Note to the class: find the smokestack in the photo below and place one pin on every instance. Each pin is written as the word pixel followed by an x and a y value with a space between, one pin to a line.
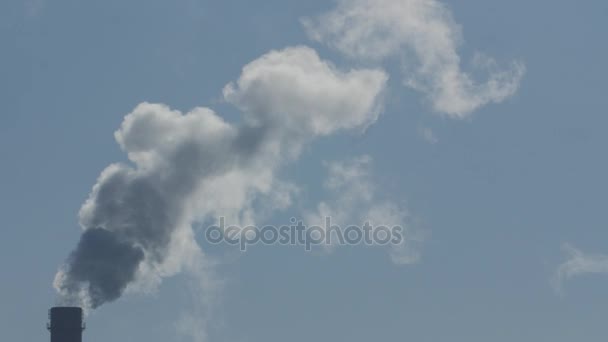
pixel 65 324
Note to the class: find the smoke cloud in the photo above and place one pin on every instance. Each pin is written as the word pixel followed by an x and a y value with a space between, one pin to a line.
pixel 423 35
pixel 194 166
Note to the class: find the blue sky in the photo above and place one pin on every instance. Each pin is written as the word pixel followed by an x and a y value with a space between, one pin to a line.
pixel 502 187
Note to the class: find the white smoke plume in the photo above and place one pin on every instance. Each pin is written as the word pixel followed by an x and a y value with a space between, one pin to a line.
pixel 194 166
pixel 423 35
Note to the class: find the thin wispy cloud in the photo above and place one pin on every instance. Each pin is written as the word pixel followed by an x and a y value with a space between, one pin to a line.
pixel 353 199
pixel 428 135
pixel 578 263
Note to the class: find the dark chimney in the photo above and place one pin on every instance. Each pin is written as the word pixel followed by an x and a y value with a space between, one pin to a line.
pixel 65 324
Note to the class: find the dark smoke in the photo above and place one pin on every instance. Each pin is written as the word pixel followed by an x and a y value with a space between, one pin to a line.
pixel 93 264
pixel 134 214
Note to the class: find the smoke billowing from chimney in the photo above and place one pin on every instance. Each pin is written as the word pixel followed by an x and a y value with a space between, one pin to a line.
pixel 193 167
pixel 196 166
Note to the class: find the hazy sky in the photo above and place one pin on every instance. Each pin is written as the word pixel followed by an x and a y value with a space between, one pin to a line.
pixel 477 125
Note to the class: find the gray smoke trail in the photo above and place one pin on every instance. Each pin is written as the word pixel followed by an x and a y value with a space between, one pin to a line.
pixel 194 166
